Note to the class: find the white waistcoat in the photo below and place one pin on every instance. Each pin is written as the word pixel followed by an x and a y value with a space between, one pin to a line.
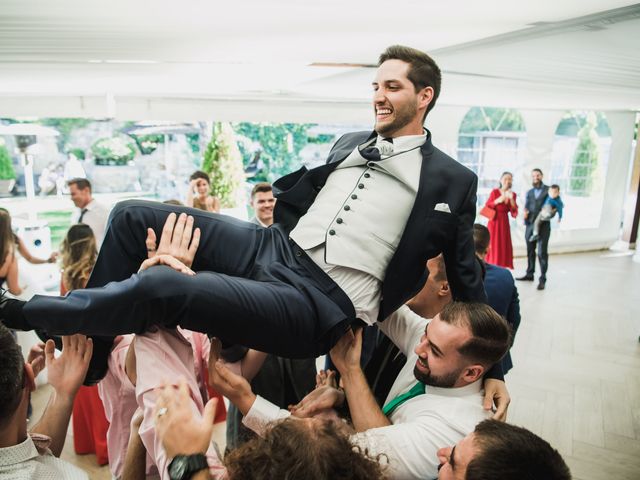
pixel 361 212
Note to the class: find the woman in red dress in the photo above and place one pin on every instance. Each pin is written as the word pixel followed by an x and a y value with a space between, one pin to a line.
pixel 503 201
pixel 90 425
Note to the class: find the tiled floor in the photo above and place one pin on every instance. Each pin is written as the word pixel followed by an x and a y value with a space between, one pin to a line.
pixel 576 380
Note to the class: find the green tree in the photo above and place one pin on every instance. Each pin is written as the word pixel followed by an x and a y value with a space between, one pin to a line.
pixel 223 162
pixel 585 160
pixel 281 144
pixel 6 165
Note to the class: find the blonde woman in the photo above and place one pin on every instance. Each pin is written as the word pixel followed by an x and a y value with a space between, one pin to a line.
pixel 79 253
pixel 9 244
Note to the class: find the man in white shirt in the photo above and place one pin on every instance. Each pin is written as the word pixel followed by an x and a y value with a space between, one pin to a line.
pixel 34 454
pixel 435 401
pixel 90 212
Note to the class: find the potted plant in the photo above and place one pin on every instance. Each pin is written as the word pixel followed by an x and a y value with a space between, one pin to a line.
pixel 7 173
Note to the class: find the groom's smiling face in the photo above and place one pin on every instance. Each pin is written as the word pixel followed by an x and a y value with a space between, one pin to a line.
pixel 398 108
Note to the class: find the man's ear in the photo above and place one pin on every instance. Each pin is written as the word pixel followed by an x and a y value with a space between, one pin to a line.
pixel 444 289
pixel 472 373
pixel 29 378
pixel 425 97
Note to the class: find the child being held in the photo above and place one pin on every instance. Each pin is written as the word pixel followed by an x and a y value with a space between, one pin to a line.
pixel 552 204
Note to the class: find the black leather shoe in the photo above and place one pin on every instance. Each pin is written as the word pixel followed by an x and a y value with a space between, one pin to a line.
pixel 525 278
pixel 541 285
pixel 99 364
pixel 11 312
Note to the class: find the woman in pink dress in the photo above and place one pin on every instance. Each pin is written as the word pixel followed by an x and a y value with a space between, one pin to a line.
pixel 503 201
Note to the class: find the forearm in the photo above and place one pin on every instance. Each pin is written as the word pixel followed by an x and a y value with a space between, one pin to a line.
pixel 135 462
pixel 252 363
pixel 55 421
pixel 364 410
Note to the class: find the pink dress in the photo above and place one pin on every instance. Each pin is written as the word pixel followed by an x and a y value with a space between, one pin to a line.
pixel 501 249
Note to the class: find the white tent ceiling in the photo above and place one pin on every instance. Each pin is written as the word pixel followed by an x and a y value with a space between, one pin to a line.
pixel 301 60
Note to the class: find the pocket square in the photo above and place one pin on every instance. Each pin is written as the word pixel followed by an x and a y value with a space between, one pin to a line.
pixel 442 207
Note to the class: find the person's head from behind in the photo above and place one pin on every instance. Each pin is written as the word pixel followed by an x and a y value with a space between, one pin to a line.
pixel 406 87
pixel 481 240
pixel 497 450
pixel 313 449
pixel 506 180
pixel 6 235
pixel 536 177
pixel 460 344
pixel 78 252
pixel 554 191
pixel 201 183
pixel 80 191
pixel 262 202
pixel 436 292
pixel 16 383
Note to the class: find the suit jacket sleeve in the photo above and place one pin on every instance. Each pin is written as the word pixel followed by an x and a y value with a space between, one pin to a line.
pixel 513 314
pixel 463 271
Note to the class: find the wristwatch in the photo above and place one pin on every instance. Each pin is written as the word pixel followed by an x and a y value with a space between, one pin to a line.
pixel 182 467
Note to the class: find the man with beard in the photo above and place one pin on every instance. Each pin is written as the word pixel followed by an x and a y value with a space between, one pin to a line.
pixel 350 241
pixel 534 202
pixel 435 401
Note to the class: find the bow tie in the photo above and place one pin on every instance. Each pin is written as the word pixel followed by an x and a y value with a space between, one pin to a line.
pixel 382 147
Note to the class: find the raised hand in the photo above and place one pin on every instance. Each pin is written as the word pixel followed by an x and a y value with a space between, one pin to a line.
pixel 66 373
pixel 178 239
pixel 177 426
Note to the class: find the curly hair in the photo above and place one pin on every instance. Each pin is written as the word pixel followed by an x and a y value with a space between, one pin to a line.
pixel 299 449
pixel 79 253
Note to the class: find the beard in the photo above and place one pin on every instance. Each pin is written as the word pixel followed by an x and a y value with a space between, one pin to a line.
pixel 403 116
pixel 443 381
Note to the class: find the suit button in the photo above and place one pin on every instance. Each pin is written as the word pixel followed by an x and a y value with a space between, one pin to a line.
pixel 367 175
pixel 347 207
pixel 361 186
pixel 354 196
pixel 298 253
pixel 338 220
pixel 332 232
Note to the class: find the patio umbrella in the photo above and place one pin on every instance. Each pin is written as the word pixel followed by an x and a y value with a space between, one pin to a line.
pixel 26 134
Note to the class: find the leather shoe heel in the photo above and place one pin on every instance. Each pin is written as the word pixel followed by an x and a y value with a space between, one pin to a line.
pixel 525 278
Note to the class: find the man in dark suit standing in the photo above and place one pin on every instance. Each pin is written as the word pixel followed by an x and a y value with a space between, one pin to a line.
pixel 350 241
pixel 534 201
pixel 502 294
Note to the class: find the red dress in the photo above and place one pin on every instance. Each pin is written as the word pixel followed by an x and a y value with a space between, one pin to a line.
pixel 501 249
pixel 90 423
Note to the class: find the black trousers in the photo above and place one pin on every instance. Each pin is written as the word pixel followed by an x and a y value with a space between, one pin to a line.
pixel 541 244
pixel 253 287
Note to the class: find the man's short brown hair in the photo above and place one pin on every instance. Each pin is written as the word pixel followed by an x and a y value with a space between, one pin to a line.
pixel 11 375
pixel 80 183
pixel 513 453
pixel 261 187
pixel 423 70
pixel 489 330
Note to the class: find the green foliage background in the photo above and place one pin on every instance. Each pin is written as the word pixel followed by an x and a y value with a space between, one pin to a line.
pixel 223 162
pixel 7 171
pixel 279 154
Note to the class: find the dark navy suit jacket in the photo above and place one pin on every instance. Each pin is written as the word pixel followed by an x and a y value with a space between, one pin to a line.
pixel 503 298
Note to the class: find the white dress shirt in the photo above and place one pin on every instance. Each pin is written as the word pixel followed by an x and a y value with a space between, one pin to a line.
pixel 420 426
pixel 96 217
pixel 32 459
pixel 355 224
